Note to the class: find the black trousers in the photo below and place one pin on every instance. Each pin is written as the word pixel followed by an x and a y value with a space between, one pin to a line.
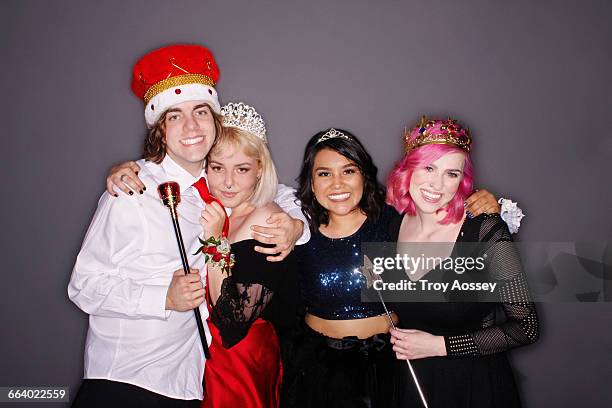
pixel 113 394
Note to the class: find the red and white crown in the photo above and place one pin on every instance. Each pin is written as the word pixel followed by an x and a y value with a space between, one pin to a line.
pixel 174 74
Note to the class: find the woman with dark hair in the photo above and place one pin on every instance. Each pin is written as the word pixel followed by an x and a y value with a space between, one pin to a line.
pixel 372 199
pixel 457 341
pixel 344 358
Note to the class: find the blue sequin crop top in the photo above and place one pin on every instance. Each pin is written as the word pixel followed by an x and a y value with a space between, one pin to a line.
pixel 329 280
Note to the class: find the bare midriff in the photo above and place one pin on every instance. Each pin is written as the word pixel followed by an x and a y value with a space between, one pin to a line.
pixel 361 328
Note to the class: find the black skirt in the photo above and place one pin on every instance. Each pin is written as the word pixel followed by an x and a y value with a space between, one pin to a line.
pixel 320 371
pixel 471 382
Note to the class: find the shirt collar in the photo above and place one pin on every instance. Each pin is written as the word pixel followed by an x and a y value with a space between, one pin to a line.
pixel 174 172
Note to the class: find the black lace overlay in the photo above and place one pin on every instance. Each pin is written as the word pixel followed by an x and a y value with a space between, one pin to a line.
pixel 478 328
pixel 237 307
pixel 256 288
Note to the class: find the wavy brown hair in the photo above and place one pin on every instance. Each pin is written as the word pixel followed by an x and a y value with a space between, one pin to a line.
pixel 155 140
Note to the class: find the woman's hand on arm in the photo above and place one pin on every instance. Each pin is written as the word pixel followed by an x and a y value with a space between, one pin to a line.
pixel 482 201
pixel 125 177
pixel 282 231
pixel 411 344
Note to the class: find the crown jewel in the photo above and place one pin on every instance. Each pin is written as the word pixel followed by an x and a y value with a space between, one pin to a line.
pixel 332 133
pixel 245 117
pixel 437 132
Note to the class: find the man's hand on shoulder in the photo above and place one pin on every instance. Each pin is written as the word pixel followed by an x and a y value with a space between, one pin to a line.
pixel 280 230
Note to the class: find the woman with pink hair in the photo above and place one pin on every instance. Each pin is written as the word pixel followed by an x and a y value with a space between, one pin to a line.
pixel 462 316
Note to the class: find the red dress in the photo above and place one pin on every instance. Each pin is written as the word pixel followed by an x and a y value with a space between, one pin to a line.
pixel 245 367
pixel 248 375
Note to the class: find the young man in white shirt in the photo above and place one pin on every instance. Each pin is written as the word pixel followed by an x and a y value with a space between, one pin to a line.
pixel 143 346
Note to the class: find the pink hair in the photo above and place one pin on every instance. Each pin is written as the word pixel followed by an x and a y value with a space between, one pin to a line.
pixel 398 182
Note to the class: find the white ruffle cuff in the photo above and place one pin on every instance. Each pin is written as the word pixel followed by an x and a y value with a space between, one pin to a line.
pixel 512 214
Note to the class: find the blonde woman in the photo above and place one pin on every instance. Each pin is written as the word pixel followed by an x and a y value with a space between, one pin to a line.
pixel 257 296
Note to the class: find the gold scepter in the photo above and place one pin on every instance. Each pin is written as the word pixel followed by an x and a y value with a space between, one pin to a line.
pixel 170 194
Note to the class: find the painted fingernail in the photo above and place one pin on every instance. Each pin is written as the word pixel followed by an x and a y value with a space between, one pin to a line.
pixel 131 193
pixel 116 195
pixel 136 172
pixel 140 191
pixel 465 204
pixel 469 214
pixel 144 189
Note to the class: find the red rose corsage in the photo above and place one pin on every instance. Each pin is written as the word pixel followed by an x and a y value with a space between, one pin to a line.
pixel 219 252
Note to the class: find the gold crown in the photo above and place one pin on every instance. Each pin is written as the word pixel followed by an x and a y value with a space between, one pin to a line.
pixel 438 132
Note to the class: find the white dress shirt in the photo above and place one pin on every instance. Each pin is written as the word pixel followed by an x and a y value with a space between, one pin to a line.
pixel 285 198
pixel 121 278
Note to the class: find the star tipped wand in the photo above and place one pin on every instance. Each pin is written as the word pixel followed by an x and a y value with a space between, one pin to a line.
pixel 368 272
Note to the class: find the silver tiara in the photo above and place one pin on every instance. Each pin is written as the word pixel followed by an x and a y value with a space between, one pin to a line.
pixel 245 117
pixel 332 133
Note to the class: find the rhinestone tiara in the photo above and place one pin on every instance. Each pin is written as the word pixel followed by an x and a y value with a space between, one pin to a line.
pixel 245 117
pixel 332 133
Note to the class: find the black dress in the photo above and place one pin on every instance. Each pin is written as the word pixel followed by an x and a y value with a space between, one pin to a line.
pixel 476 372
pixel 257 305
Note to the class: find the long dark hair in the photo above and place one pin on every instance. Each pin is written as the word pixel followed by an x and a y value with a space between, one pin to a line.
pixel 373 199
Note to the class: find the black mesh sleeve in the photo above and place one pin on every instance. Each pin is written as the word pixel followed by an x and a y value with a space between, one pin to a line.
pixel 247 291
pixel 520 326
pixel 237 307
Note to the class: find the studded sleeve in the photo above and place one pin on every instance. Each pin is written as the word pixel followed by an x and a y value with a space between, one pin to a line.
pixel 520 326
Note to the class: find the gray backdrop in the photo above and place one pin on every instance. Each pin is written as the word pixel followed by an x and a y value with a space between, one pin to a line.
pixel 530 78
